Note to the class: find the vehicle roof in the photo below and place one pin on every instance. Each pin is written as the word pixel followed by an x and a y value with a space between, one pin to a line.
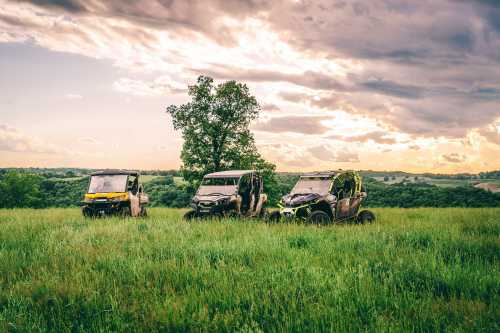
pixel 319 174
pixel 115 172
pixel 228 173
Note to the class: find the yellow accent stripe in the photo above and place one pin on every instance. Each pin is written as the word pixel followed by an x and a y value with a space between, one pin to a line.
pixel 110 195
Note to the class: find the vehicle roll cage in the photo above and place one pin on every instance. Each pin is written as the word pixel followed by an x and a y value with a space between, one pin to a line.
pixel 347 183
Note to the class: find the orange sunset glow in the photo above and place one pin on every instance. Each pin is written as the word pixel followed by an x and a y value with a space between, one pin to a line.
pixel 411 86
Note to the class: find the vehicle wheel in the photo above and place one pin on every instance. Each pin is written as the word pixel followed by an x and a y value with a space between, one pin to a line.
pixel 263 213
pixel 216 216
pixel 274 217
pixel 189 215
pixel 87 213
pixel 125 212
pixel 319 217
pixel 232 215
pixel 365 216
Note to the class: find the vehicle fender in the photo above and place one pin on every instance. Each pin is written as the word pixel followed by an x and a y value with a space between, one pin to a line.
pixel 331 200
pixel 236 199
pixel 260 203
pixel 135 207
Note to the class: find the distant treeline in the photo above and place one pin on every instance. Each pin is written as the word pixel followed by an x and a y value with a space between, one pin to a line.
pixel 78 172
pixel 426 195
pixel 24 189
pixel 64 173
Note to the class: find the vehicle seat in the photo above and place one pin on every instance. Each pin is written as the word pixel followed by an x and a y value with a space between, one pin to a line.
pixel 347 189
pixel 245 197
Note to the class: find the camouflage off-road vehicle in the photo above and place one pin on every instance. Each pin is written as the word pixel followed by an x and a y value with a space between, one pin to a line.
pixel 115 192
pixel 324 198
pixel 229 193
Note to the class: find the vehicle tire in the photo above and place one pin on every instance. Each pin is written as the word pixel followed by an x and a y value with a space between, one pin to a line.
pixel 215 216
pixel 319 217
pixel 365 216
pixel 87 213
pixel 274 217
pixel 190 215
pixel 125 212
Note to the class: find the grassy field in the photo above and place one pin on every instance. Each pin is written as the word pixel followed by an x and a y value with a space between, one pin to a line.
pixel 414 270
pixel 148 178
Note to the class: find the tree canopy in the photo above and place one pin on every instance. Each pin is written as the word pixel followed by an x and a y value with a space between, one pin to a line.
pixel 20 190
pixel 214 126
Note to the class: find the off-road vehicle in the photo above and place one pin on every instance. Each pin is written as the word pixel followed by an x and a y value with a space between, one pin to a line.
pixel 324 198
pixel 115 192
pixel 229 193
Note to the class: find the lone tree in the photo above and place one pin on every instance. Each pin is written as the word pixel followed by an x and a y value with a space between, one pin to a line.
pixel 214 126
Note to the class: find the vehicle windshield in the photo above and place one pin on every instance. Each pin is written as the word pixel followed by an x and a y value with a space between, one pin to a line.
pixel 108 183
pixel 218 186
pixel 220 181
pixel 311 185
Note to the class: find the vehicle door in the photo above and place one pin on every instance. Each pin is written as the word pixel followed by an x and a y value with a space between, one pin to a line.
pixel 256 188
pixel 244 192
pixel 354 204
pixel 133 188
pixel 143 198
pixel 344 200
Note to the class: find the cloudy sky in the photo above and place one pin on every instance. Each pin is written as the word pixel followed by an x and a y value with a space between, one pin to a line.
pixel 382 85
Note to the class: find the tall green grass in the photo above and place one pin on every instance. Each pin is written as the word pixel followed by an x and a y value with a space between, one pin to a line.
pixel 413 270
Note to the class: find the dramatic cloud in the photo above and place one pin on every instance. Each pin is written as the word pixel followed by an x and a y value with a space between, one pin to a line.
pixel 377 136
pixel 304 125
pixel 454 158
pixel 393 89
pixel 158 87
pixel 327 153
pixel 308 79
pixel 344 156
pixel 270 108
pixel 291 155
pixel 492 133
pixel 14 140
pixel 73 6
pixel 426 70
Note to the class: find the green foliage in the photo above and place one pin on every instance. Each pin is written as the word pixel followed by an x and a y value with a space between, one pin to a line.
pixel 415 270
pixel 20 190
pixel 283 184
pixel 163 191
pixel 63 193
pixel 490 175
pixel 214 126
pixel 426 195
